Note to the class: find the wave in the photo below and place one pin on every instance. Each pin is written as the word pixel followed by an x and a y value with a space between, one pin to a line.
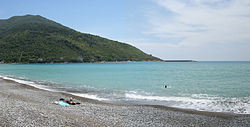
pixel 25 82
pixel 199 102
pixel 94 97
pixel 43 87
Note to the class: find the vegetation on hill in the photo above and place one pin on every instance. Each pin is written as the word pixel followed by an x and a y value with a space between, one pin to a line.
pixel 35 39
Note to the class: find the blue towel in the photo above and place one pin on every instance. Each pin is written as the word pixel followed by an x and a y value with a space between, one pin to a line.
pixel 62 103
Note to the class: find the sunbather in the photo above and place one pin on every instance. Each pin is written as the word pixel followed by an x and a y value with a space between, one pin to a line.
pixel 70 101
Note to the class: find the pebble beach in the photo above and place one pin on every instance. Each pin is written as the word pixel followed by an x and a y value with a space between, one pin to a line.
pixel 22 105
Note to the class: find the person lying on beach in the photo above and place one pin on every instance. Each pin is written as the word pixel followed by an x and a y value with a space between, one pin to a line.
pixel 70 101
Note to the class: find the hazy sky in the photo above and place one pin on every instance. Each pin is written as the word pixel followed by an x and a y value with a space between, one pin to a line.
pixel 169 29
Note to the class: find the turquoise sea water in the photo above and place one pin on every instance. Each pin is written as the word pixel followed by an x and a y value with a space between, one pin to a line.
pixel 206 86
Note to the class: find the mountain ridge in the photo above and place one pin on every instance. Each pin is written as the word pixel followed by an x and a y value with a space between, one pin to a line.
pixel 35 39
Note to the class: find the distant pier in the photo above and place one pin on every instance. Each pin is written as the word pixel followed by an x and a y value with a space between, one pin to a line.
pixel 180 61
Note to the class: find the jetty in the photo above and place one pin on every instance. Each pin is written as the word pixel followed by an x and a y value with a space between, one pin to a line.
pixel 180 61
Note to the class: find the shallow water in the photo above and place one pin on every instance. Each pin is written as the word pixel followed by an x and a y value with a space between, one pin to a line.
pixel 207 86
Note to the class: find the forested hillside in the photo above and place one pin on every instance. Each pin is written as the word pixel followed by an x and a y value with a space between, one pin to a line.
pixel 35 39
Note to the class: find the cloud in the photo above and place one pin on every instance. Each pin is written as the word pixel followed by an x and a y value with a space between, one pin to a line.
pixel 198 22
pixel 197 29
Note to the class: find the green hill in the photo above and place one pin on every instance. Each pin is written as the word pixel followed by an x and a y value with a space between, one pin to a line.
pixel 35 39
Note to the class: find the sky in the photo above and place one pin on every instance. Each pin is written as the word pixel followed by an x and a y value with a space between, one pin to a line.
pixel 203 30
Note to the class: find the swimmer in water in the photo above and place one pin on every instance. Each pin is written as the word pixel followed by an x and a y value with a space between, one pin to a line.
pixel 166 86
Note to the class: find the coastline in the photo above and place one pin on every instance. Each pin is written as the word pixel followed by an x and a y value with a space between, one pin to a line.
pixel 90 62
pixel 26 105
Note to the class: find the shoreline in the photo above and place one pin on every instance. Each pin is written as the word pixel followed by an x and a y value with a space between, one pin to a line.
pixel 189 111
pixel 90 62
pixel 101 100
pixel 90 111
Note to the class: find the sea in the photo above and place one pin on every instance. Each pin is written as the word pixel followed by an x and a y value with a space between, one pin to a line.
pixel 204 86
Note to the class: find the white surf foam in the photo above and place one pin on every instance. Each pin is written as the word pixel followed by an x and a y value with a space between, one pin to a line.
pixel 161 98
pixel 30 83
pixel 33 84
pixel 90 96
pixel 200 102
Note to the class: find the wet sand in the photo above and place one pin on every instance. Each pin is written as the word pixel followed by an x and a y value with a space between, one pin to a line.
pixel 22 105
